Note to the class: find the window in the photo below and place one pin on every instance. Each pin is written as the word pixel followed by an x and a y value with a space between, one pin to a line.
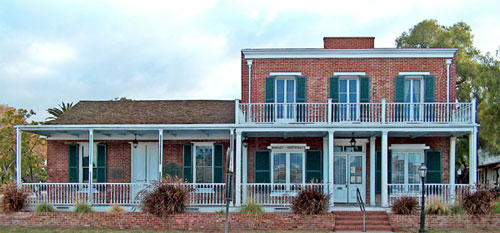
pixel 285 97
pixel 404 167
pixel 288 167
pixel 348 97
pixel 413 89
pixel 204 163
pixel 84 165
pixel 79 163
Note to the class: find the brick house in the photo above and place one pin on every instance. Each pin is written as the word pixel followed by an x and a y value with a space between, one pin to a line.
pixel 342 118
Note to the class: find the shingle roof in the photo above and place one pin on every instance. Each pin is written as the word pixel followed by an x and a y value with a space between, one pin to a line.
pixel 149 112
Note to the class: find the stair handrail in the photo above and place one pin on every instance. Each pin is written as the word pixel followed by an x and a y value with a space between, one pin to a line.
pixel 361 207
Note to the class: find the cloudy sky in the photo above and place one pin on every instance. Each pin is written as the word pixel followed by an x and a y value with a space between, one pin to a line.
pixel 70 50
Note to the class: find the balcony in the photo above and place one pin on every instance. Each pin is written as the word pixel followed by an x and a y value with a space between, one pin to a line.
pixel 360 113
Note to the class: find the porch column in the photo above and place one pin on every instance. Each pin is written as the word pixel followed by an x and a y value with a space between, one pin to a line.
pixel 473 156
pixel 372 171
pixel 453 141
pixel 18 157
pixel 238 169
pixel 91 164
pixel 325 164
pixel 160 154
pixel 385 171
pixel 330 165
pixel 244 179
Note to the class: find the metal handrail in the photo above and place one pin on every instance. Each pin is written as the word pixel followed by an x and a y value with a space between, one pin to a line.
pixel 361 207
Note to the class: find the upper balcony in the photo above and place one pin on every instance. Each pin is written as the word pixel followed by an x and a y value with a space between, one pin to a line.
pixel 356 113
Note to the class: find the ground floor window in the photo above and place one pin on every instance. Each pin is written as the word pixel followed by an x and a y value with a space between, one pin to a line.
pixel 204 163
pixel 288 167
pixel 405 167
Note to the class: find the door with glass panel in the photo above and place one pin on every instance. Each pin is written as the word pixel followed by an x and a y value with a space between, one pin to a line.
pixel 413 96
pixel 287 170
pixel 285 99
pixel 348 99
pixel 348 176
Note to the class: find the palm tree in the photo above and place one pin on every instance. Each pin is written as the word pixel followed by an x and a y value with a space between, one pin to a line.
pixel 57 112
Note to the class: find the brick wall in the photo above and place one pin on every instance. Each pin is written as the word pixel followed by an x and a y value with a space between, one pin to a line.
pixel 467 222
pixel 206 222
pixel 382 72
pixel 349 42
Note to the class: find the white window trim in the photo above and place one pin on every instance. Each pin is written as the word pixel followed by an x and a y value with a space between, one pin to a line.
pixel 285 73
pixel 193 158
pixel 349 73
pixel 287 152
pixel 406 149
pixel 81 149
pixel 422 86
pixel 276 88
pixel 415 73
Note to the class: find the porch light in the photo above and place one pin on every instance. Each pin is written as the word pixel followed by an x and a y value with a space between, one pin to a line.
pixel 245 142
pixel 423 170
pixel 135 142
pixel 353 141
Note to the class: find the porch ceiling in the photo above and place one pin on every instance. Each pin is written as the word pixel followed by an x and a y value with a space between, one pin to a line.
pixel 78 133
pixel 357 134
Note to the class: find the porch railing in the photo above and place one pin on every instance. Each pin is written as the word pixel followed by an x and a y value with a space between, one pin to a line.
pixel 446 192
pixel 372 113
pixel 114 193
pixel 276 194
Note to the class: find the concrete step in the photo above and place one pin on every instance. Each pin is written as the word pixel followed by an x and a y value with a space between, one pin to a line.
pixel 360 228
pixel 378 217
pixel 360 221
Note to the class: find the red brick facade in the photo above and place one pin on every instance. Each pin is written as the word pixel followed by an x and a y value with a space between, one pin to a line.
pixel 349 42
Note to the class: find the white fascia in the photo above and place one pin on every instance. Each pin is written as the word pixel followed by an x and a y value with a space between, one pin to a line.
pixel 349 53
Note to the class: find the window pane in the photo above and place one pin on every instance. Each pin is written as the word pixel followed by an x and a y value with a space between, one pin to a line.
pixel 353 98
pixel 337 149
pixel 343 98
pixel 407 90
pixel 416 91
pixel 290 91
pixel 339 172
pixel 279 168
pixel 204 164
pixel 343 86
pixel 414 162
pixel 353 86
pixel 398 172
pixel 280 91
pixel 296 168
pixel 356 176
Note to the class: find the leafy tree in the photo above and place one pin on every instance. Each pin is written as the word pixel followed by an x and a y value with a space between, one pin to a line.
pixel 478 76
pixel 57 112
pixel 33 148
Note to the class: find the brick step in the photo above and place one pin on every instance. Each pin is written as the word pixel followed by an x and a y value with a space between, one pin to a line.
pixel 360 228
pixel 380 217
pixel 360 221
pixel 359 213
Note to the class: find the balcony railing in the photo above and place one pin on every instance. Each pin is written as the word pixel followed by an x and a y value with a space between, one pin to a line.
pixel 367 113
pixel 114 193
pixel 448 193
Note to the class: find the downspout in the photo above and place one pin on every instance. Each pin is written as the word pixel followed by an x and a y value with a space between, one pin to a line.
pixel 249 63
pixel 448 64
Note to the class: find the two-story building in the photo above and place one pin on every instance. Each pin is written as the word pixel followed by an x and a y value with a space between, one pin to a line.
pixel 342 118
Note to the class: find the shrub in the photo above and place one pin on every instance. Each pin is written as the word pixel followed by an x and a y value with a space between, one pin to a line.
pixel 497 208
pixel 44 208
pixel 436 206
pixel 310 201
pixel 405 205
pixel 251 208
pixel 457 208
pixel 116 209
pixel 479 202
pixel 164 198
pixel 82 208
pixel 13 198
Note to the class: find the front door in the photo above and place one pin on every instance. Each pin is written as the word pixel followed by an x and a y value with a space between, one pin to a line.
pixel 348 175
pixel 285 99
pixel 145 163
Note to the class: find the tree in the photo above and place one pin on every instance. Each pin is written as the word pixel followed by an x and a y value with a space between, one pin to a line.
pixel 57 112
pixel 478 76
pixel 33 148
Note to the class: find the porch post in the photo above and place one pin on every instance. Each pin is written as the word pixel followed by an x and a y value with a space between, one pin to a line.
pixel 330 165
pixel 326 172
pixel 384 175
pixel 453 141
pixel 473 156
pixel 238 169
pixel 372 171
pixel 18 157
pixel 91 164
pixel 245 173
pixel 160 154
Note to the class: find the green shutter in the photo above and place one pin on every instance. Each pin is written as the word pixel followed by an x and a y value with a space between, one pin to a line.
pixel 73 163
pixel 314 166
pixel 100 170
pixel 364 94
pixel 262 166
pixel 218 163
pixel 399 89
pixel 433 163
pixel 270 90
pixel 334 89
pixel 301 89
pixel 187 163
pixel 378 173
pixel 429 88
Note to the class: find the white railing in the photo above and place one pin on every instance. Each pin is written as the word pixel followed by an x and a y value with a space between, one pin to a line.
pixel 276 194
pixel 373 113
pixel 446 192
pixel 114 193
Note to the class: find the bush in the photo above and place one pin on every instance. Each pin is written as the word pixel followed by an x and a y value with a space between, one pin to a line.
pixel 82 208
pixel 479 202
pixel 457 208
pixel 44 208
pixel 251 208
pixel 310 201
pixel 405 205
pixel 497 208
pixel 13 198
pixel 116 209
pixel 165 198
pixel 436 206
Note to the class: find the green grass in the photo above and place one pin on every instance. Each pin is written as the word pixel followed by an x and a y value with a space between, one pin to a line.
pixel 497 208
pixel 60 230
pixel 455 231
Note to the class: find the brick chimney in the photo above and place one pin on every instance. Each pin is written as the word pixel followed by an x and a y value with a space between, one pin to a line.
pixel 349 42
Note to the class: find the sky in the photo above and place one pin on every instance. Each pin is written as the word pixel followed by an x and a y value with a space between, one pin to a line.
pixel 71 50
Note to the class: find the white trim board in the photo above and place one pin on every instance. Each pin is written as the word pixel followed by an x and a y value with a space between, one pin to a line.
pixel 349 73
pixel 409 147
pixel 415 73
pixel 285 73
